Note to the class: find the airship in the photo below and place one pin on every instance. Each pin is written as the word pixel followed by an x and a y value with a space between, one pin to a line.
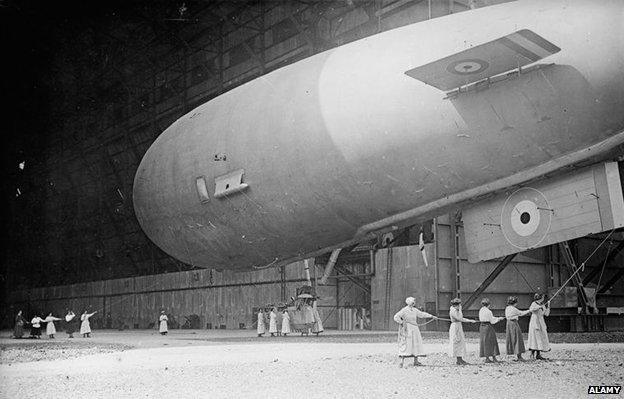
pixel 512 114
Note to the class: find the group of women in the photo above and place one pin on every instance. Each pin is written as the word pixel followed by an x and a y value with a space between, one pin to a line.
pixel 410 341
pixel 279 319
pixel 277 327
pixel 71 325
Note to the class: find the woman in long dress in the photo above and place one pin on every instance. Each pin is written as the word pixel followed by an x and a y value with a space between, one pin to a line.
pixel 273 322
pixel 261 326
pixel 18 331
pixel 513 334
pixel 317 326
pixel 285 323
pixel 488 345
pixel 85 325
pixel 538 335
pixel 51 328
pixel 409 339
pixel 456 332
pixel 70 324
pixel 35 327
pixel 162 321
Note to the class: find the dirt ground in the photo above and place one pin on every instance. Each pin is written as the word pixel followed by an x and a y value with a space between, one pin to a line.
pixel 231 364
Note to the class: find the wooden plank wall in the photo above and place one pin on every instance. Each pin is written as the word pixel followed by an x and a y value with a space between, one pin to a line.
pixel 409 277
pixel 434 286
pixel 529 272
pixel 219 298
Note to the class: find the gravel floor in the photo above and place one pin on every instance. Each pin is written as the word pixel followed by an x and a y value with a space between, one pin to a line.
pixel 235 364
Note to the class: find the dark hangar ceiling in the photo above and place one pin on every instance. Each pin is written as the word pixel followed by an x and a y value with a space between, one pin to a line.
pixel 89 85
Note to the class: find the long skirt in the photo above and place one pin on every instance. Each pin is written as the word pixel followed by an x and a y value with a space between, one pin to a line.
pixel 85 327
pixel 457 340
pixel 70 327
pixel 513 338
pixel 286 325
pixel 261 326
pixel 50 328
pixel 163 328
pixel 538 336
pixel 410 341
pixel 317 327
pixel 488 345
pixel 273 325
pixel 18 331
pixel 35 331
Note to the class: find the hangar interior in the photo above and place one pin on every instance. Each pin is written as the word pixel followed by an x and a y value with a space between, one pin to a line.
pixel 122 74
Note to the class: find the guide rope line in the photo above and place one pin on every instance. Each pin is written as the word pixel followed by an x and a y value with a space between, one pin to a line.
pixel 427 322
pixel 603 267
pixel 581 267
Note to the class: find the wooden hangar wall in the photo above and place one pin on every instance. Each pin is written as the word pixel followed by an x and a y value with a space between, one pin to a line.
pixel 401 272
pixel 127 80
pixel 369 283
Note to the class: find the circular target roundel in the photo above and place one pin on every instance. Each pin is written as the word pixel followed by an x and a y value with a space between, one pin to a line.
pixel 526 218
pixel 468 66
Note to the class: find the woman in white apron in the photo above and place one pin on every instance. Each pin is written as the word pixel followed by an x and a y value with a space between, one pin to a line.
pixel 273 322
pixel 261 327
pixel 410 341
pixel 285 323
pixel 50 328
pixel 162 321
pixel 456 332
pixel 538 335
pixel 85 326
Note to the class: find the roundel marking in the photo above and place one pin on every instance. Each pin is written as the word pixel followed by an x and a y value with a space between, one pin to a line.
pixel 467 66
pixel 526 218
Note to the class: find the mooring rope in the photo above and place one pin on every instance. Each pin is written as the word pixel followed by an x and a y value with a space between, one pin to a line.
pixel 581 267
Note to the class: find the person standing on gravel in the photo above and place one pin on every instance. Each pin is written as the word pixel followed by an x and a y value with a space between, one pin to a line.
pixel 261 329
pixel 18 331
pixel 456 332
pixel 51 328
pixel 85 325
pixel 488 345
pixel 273 322
pixel 70 323
pixel 538 335
pixel 285 323
pixel 35 327
pixel 410 341
pixel 162 323
pixel 513 334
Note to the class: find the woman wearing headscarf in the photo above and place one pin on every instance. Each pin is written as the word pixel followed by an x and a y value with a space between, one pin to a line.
pixel 488 345
pixel 456 332
pixel 513 334
pixel 51 328
pixel 538 335
pixel 410 341
pixel 18 331
pixel 162 323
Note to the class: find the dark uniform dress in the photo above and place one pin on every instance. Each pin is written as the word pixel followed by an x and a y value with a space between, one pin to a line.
pixel 71 324
pixel 488 345
pixel 513 333
pixel 18 331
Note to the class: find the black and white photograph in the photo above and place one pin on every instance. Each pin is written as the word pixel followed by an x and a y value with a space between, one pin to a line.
pixel 312 199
